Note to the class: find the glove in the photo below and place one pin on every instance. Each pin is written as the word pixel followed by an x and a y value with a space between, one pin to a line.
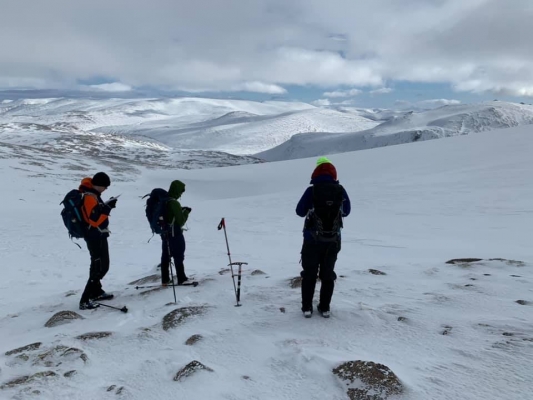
pixel 187 209
pixel 112 203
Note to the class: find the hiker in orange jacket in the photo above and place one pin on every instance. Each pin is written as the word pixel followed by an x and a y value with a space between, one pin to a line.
pixel 96 214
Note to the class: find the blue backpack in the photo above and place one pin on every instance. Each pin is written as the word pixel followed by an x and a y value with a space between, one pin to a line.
pixel 155 210
pixel 72 214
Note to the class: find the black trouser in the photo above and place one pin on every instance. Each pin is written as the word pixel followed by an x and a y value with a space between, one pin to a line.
pixel 99 252
pixel 318 259
pixel 173 246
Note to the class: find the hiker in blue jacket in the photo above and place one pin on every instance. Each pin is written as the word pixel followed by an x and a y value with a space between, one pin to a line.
pixel 323 205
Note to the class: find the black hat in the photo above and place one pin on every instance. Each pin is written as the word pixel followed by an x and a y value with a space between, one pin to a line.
pixel 101 179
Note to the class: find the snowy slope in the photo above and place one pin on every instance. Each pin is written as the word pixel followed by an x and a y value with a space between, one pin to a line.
pixel 447 331
pixel 409 127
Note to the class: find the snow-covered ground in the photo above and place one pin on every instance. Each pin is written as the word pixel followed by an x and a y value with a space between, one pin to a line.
pixel 447 331
pixel 446 121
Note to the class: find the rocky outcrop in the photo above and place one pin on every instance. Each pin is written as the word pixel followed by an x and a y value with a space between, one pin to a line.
pixel 178 316
pixel 190 369
pixel 62 317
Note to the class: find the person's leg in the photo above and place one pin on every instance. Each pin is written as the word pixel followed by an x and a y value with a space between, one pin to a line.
pixel 94 273
pixel 309 274
pixel 165 260
pixel 177 249
pixel 328 257
pixel 104 266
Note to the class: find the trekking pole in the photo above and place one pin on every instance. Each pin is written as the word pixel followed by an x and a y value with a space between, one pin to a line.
pixel 123 309
pixel 171 272
pixel 222 225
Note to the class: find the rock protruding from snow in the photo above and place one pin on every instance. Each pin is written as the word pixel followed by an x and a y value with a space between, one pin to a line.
pixel 193 340
pixel 463 260
pixel 23 380
pixel 190 369
pixel 367 380
pixel 94 335
pixel 296 282
pixel 376 272
pixel 147 279
pixel 29 347
pixel 62 317
pixel 178 316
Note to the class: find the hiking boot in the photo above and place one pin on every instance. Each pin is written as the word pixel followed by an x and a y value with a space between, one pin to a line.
pixel 308 314
pixel 181 281
pixel 103 296
pixel 324 313
pixel 88 305
pixel 167 283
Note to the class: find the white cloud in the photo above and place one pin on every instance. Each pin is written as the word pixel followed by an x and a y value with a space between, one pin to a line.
pixel 321 102
pixel 110 87
pixel 438 102
pixel 343 93
pixel 259 87
pixel 384 90
pixel 474 45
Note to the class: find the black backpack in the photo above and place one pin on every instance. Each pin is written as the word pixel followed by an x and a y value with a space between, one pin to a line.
pixel 72 214
pixel 155 210
pixel 325 220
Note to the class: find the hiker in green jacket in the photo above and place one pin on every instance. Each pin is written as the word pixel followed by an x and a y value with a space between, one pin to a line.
pixel 173 239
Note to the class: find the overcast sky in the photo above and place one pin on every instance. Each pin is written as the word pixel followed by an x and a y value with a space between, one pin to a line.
pixel 332 51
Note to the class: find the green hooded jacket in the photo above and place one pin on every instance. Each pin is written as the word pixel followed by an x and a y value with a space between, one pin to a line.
pixel 175 214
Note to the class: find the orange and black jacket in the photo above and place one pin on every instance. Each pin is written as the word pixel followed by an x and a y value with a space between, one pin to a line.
pixel 95 211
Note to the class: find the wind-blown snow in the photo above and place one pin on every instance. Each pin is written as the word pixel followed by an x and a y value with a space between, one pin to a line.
pixel 414 207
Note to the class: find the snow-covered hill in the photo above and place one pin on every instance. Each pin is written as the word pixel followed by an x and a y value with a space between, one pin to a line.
pixel 409 127
pixel 448 331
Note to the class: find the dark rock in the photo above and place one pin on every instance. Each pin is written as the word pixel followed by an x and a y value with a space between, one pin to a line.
pixel 376 272
pixel 94 335
pixel 368 380
pixel 28 379
pixel 296 282
pixel 112 387
pixel 62 317
pixel 522 302
pixel 224 271
pixel 469 285
pixel 486 274
pixel 190 369
pixel 246 378
pixel 463 260
pixel 282 309
pixel 258 272
pixel 193 340
pixel 120 390
pixel 178 316
pixel 447 330
pixel 71 293
pixel 507 334
pixel 68 374
pixel 29 347
pixel 516 276
pixel 402 319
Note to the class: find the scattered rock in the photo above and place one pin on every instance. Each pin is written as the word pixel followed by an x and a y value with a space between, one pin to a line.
pixel 376 272
pixel 368 381
pixel 112 387
pixel 29 347
pixel 120 390
pixel 258 272
pixel 224 271
pixel 193 340
pixel 190 369
pixel 469 285
pixel 246 378
pixel 522 302
pixel 147 279
pixel 178 316
pixel 71 293
pixel 486 274
pixel 473 279
pixel 402 319
pixel 510 262
pixel 62 317
pixel 28 378
pixel 516 276
pixel 447 330
pixel 463 260
pixel 507 334
pixel 94 335
pixel 68 374
pixel 296 282
pixel 282 309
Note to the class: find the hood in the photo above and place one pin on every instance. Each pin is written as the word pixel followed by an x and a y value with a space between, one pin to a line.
pixel 176 189
pixel 86 183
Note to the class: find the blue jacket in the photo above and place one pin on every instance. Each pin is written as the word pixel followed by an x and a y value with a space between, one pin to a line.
pixel 306 202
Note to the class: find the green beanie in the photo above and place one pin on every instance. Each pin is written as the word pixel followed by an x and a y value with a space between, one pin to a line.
pixel 322 160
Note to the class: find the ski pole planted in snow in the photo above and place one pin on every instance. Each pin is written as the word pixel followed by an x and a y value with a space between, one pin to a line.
pixel 222 225
pixel 123 309
pixel 171 273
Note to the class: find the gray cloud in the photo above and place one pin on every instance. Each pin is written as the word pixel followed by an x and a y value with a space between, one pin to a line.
pixel 262 45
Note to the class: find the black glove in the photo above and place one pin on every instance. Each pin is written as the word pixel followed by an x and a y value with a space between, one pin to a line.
pixel 187 209
pixel 112 203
